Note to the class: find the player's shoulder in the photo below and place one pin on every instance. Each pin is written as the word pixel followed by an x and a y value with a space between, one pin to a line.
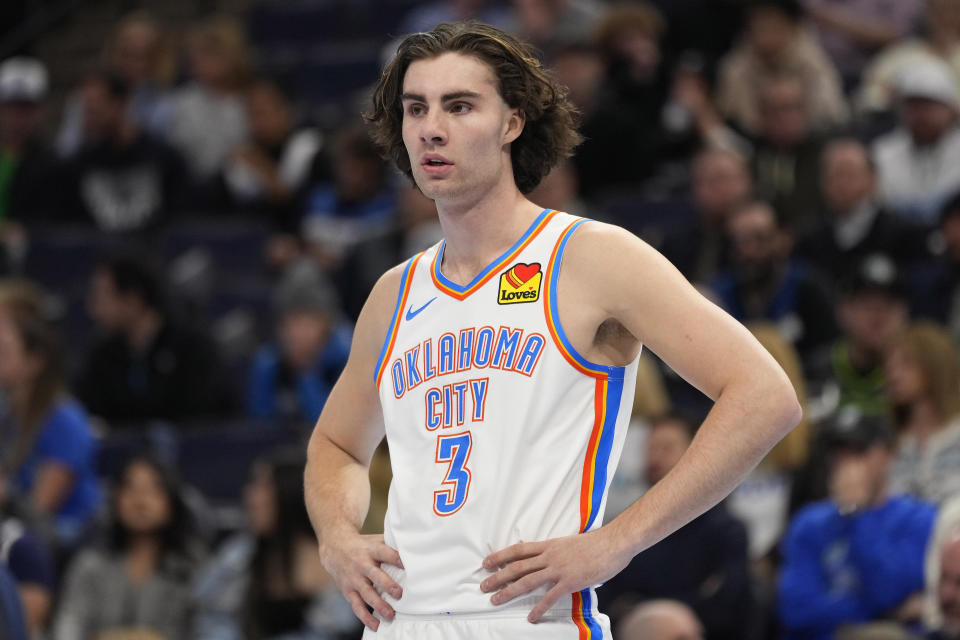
pixel 600 245
pixel 378 310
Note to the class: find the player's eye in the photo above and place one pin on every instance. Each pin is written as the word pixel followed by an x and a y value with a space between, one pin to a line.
pixel 460 107
pixel 415 109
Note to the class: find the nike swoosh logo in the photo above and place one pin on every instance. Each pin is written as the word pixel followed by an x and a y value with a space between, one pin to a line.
pixel 411 314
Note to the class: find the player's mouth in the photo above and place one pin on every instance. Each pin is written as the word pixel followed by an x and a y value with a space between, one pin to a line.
pixel 435 165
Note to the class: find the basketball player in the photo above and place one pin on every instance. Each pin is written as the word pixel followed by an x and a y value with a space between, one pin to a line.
pixel 500 365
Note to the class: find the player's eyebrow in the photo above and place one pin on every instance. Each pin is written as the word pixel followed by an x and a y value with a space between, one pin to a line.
pixel 447 97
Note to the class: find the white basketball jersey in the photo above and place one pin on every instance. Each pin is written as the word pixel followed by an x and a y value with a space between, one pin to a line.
pixel 499 431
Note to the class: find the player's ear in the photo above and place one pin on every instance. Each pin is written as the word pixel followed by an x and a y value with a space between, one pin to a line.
pixel 514 126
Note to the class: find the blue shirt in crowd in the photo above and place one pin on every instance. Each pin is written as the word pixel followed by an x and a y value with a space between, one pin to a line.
pixel 278 392
pixel 848 569
pixel 66 439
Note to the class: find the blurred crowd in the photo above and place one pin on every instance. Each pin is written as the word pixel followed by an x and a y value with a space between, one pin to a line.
pixel 188 236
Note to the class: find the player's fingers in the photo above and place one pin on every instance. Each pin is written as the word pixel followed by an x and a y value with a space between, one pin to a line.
pixel 512 572
pixel 384 553
pixel 526 584
pixel 514 552
pixel 384 582
pixel 548 600
pixel 372 598
pixel 360 610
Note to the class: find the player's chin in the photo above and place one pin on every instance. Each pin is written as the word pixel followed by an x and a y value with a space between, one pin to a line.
pixel 434 188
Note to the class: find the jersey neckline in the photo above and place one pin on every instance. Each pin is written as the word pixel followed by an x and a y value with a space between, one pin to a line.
pixel 460 292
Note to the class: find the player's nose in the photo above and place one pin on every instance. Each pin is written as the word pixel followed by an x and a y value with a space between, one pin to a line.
pixel 433 128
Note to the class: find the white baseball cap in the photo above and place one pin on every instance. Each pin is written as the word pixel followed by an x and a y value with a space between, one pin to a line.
pixel 930 79
pixel 23 79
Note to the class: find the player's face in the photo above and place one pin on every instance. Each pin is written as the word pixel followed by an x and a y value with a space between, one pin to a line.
pixel 456 128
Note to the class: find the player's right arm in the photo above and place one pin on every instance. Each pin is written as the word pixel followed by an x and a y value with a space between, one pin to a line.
pixel 336 479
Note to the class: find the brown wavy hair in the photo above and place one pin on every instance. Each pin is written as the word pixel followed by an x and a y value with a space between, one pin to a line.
pixel 550 129
pixel 934 351
pixel 26 307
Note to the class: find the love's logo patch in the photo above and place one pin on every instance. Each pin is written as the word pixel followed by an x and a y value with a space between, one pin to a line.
pixel 520 283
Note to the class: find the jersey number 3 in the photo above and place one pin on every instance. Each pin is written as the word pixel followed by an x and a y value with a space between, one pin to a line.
pixel 455 451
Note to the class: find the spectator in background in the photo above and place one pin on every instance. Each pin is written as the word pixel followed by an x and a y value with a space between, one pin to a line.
pixel 268 173
pixel 948 592
pixel 690 119
pixel 871 311
pixel 356 206
pixel 145 365
pixel 267 582
pixel 787 150
pixel 703 565
pixel 629 37
pixel 937 40
pixel 855 226
pixel 765 283
pixel 207 116
pixel 923 380
pixel 27 557
pixel 660 620
pixel 414 227
pixel 619 147
pixel 918 163
pixel 138 52
pixel 936 291
pixel 849 373
pixel 721 183
pixel 27 166
pixel 852 31
pixel 122 179
pixel 774 43
pixel 857 556
pixel 46 442
pixel 291 378
pixel 139 582
pixel 549 25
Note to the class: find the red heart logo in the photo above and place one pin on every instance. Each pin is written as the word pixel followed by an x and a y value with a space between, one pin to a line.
pixel 526 271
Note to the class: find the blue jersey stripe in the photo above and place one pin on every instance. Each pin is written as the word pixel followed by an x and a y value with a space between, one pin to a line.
pixel 605 446
pixel 586 609
pixel 397 312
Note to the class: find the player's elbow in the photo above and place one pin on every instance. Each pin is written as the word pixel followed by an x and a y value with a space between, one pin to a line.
pixel 783 403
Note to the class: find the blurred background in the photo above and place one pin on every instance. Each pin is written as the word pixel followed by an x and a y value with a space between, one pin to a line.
pixel 192 215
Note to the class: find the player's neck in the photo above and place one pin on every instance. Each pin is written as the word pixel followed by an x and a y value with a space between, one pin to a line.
pixel 476 233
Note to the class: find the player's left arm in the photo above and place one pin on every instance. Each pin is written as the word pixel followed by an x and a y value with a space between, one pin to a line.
pixel 614 276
